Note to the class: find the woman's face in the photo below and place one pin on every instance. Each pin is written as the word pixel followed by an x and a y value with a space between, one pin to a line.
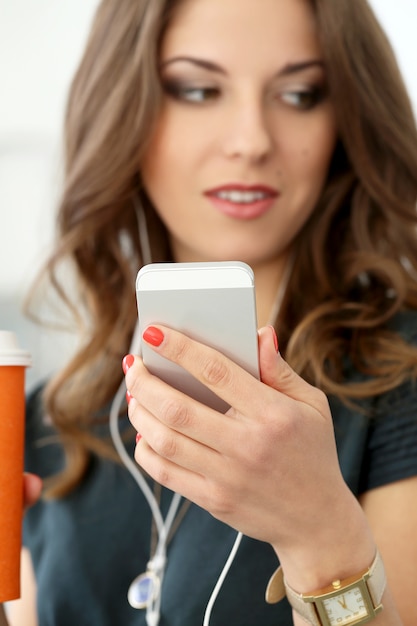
pixel 242 146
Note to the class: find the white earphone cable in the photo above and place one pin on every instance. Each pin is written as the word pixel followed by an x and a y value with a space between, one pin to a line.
pixel 221 579
pixel 158 560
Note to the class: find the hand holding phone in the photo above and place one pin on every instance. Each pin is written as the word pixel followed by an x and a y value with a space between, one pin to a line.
pixel 213 303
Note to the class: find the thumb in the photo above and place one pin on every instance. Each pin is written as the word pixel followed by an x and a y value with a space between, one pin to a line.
pixel 32 487
pixel 275 372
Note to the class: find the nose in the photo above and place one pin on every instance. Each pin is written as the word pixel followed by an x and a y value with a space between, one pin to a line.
pixel 248 134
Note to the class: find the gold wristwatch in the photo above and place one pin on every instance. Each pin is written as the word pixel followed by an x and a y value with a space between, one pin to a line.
pixel 350 602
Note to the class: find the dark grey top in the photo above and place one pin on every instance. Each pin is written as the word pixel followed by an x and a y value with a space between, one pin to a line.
pixel 89 546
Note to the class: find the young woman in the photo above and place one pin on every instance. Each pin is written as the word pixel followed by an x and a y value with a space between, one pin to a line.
pixel 277 133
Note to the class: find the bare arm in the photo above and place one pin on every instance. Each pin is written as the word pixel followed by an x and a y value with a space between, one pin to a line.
pixel 3 620
pixel 22 612
pixel 392 515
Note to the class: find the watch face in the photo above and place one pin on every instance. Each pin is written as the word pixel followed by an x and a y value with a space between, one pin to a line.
pixel 346 608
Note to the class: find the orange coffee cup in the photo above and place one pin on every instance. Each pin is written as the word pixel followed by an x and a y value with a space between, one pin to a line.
pixel 13 362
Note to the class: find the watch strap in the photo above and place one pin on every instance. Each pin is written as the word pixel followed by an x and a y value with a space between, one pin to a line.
pixel 377 580
pixel 278 588
pixel 305 609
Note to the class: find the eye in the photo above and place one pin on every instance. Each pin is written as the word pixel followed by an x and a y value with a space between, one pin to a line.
pixel 190 93
pixel 303 99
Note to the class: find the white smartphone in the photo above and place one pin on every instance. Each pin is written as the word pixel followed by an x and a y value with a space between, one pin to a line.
pixel 213 303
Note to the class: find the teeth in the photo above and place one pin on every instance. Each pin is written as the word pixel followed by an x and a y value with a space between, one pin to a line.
pixel 241 197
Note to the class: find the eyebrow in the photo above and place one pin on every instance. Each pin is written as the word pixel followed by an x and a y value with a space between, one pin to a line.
pixel 288 69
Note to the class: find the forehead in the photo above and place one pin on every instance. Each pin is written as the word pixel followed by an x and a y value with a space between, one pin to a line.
pixel 260 28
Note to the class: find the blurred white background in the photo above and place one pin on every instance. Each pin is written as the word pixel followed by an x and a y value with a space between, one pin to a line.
pixel 40 44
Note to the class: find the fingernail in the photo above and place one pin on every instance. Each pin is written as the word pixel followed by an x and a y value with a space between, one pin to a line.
pixel 153 335
pixel 138 438
pixel 275 338
pixel 127 362
pixel 128 396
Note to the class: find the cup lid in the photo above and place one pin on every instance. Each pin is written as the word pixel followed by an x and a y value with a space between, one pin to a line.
pixel 10 353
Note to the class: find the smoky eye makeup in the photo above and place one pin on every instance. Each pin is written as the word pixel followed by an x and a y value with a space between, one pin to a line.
pixel 191 79
pixel 304 98
pixel 188 90
pixel 301 85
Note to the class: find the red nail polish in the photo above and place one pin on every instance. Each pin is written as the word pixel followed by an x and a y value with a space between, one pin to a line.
pixel 275 338
pixel 128 396
pixel 128 362
pixel 153 335
pixel 138 438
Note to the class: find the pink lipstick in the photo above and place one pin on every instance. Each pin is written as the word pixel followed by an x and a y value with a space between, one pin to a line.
pixel 244 202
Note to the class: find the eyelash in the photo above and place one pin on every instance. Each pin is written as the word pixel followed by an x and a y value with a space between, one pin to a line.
pixel 182 92
pixel 301 100
pixel 307 99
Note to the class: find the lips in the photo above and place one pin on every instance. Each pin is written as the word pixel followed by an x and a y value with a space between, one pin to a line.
pixel 242 201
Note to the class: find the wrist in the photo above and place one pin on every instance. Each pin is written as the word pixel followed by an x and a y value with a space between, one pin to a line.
pixel 338 545
pixel 350 602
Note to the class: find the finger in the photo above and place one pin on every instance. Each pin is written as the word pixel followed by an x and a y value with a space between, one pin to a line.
pixel 32 487
pixel 150 396
pixel 165 472
pixel 214 370
pixel 198 488
pixel 173 445
pixel 275 372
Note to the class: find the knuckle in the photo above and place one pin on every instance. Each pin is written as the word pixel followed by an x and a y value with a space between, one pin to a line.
pixel 162 476
pixel 258 453
pixel 154 465
pixel 218 500
pixel 287 375
pixel 175 414
pixel 278 424
pixel 319 401
pixel 179 350
pixel 321 398
pixel 216 373
pixel 165 446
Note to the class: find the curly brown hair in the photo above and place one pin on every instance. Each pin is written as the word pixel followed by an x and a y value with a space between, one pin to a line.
pixel 356 258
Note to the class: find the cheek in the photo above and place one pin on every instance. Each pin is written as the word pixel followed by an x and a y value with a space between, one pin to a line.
pixel 318 142
pixel 177 138
pixel 162 173
pixel 307 176
pixel 155 161
pixel 314 164
pixel 160 146
pixel 166 168
pixel 314 159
